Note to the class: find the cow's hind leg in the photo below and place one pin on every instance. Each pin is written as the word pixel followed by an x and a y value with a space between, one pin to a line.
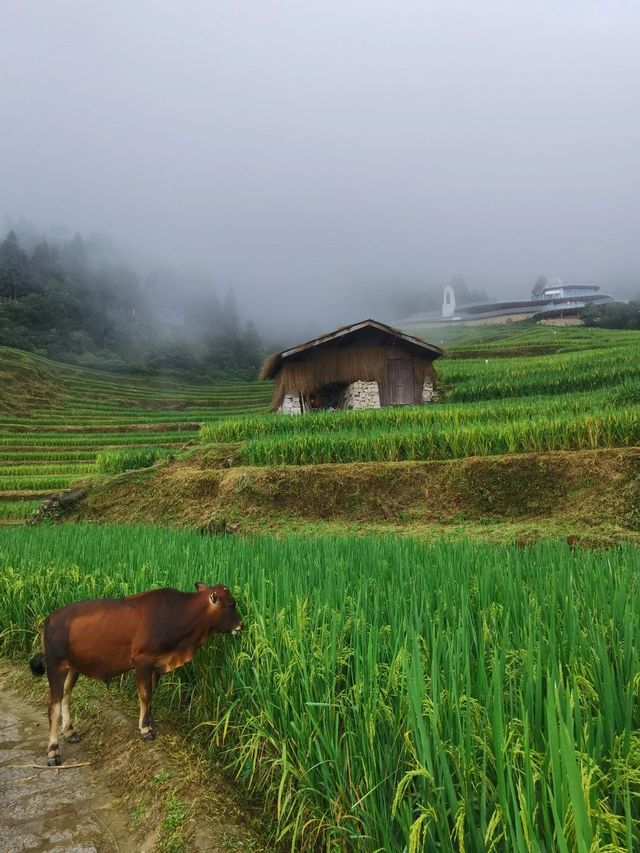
pixel 57 679
pixel 155 678
pixel 145 682
pixel 68 731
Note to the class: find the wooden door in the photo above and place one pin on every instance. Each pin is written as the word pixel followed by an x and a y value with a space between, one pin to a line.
pixel 400 389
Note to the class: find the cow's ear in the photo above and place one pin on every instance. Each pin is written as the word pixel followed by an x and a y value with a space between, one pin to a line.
pixel 213 598
pixel 200 586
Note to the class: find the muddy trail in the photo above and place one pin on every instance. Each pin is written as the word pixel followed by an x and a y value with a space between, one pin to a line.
pixel 125 796
pixel 48 809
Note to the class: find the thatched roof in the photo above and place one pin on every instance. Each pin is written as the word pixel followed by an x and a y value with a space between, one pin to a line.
pixel 357 352
pixel 346 335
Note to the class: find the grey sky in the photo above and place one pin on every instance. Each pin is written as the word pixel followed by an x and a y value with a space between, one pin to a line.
pixel 292 145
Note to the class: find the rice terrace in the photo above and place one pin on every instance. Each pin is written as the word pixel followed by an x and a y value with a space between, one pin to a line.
pixel 441 603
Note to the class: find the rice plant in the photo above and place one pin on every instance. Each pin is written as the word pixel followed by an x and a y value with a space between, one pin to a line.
pixel 18 510
pixel 385 694
pixel 423 434
pixel 117 461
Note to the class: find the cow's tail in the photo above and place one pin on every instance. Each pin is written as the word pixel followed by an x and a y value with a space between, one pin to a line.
pixel 38 664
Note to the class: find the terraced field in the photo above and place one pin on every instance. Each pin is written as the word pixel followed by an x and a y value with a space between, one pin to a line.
pixel 385 694
pixel 507 390
pixel 55 420
pixel 520 338
pixel 583 393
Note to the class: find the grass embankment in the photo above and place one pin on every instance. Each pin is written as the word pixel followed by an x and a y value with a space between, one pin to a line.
pixel 55 420
pixel 386 695
pixel 592 496
pixel 26 381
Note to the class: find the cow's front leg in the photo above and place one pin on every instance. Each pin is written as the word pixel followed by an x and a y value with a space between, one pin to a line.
pixel 68 731
pixel 144 680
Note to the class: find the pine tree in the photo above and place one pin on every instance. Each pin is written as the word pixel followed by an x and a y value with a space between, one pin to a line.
pixel 14 268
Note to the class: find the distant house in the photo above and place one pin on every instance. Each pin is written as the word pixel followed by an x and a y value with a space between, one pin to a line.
pixel 363 366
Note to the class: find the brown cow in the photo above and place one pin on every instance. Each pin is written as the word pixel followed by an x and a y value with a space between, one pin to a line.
pixel 151 633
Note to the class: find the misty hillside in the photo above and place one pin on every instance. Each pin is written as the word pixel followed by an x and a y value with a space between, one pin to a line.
pixel 71 303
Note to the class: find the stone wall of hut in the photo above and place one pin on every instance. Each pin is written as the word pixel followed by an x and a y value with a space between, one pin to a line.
pixel 428 392
pixel 357 395
pixel 362 395
pixel 290 405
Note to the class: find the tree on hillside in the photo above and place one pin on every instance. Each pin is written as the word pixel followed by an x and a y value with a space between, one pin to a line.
pixel 45 265
pixel 225 346
pixel 229 317
pixel 15 278
pixel 613 315
pixel 74 256
pixel 252 348
pixel 77 303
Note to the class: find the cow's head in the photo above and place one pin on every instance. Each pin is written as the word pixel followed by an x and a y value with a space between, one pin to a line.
pixel 222 604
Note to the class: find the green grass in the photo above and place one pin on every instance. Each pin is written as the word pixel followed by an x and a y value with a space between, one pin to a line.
pixel 15 510
pixel 449 441
pixel 36 482
pixel 56 419
pixel 117 461
pixel 523 336
pixel 585 395
pixel 386 694
pixel 27 470
pixel 444 431
pixel 496 378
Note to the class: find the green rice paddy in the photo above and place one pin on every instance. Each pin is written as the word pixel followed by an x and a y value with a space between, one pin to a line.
pixel 586 396
pixel 385 694
pixel 55 420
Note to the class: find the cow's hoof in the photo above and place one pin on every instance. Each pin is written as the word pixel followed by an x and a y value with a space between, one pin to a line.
pixel 74 738
pixel 54 762
pixel 149 736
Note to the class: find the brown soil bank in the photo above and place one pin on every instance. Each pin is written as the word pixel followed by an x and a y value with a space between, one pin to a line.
pixel 562 493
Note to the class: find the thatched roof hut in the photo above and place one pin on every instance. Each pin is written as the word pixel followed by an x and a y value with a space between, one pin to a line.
pixel 364 365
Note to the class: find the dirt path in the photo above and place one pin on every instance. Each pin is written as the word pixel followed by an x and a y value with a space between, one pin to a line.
pixel 130 797
pixel 50 809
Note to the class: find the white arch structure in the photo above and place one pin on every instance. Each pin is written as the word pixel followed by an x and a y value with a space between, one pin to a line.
pixel 449 302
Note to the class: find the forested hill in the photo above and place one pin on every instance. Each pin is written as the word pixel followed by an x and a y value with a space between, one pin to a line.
pixel 74 303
